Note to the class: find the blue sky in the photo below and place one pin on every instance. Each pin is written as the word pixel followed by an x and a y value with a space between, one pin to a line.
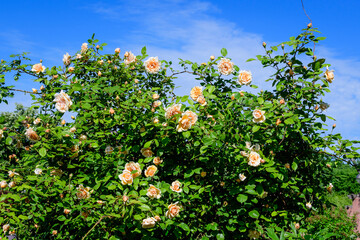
pixel 192 30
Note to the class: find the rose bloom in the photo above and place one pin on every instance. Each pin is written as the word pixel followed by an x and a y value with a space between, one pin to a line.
pixel 308 205
pixel 109 150
pixel 172 110
pixel 32 135
pixel 3 184
pixel 132 166
pixel 254 159
pixel 63 102
pixel 157 161
pixel 38 68
pixel 156 104
pixel 126 178
pixel 187 120
pixel 37 121
pixel 242 177
pixel 83 193
pixel 73 129
pixel 201 100
pixel 78 56
pixel 146 152
pixel 259 116
pixel 1 134
pixel 329 75
pixel 176 186
pixel 129 58
pixel 71 69
pixel 153 192
pixel 148 222
pixel 84 47
pixel 196 92
pixel 117 50
pixel 155 96
pixel 150 171
pixel 38 171
pixel 173 211
pixel 67 59
pixel 245 77
pixel 225 66
pixel 12 173
pixel 6 227
pixel 152 65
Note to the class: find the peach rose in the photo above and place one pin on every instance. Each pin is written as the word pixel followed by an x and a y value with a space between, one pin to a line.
pixel 196 92
pixel 37 121
pixel 78 56
pixel 146 152
pixel 1 133
pixel 225 66
pixel 148 222
pixel 308 205
pixel 187 120
pixel 254 159
pixel 32 135
pixel 259 116
pixel 84 47
pixel 38 68
pixel 329 74
pixel 63 102
pixel 72 130
pixel 117 50
pixel 67 59
pixel 153 192
pixel 150 171
pixel 132 166
pixel 6 227
pixel 152 65
pixel 176 186
pixel 155 96
pixel 38 171
pixel 173 211
pixel 12 173
pixel 109 150
pixel 126 178
pixel 172 110
pixel 157 161
pixel 156 104
pixel 245 77
pixel 129 58
pixel 201 100
pixel 71 69
pixel 3 184
pixel 83 193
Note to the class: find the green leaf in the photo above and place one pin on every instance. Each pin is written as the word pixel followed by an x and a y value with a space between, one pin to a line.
pixel 8 140
pixel 186 134
pixel 260 100
pixel 254 214
pixel 184 226
pixel 220 236
pixel 289 121
pixel 42 152
pixel 255 128
pixel 241 198
pixel 224 52
pixel 143 50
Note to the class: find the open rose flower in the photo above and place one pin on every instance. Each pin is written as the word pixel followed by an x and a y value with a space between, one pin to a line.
pixel 38 68
pixel 259 116
pixel 254 159
pixel 152 65
pixel 187 120
pixel 156 104
pixel 32 135
pixel 173 211
pixel 225 66
pixel 132 166
pixel 6 227
pixel 126 178
pixel 129 58
pixel 172 110
pixel 148 222
pixel 3 184
pixel 308 205
pixel 67 59
pixel 245 77
pixel 38 171
pixel 84 47
pixel 157 161
pixel 37 121
pixel 201 100
pixel 150 171
pixel 83 193
pixel 63 102
pixel 153 192
pixel 196 92
pixel 329 74
pixel 176 186
pixel 146 152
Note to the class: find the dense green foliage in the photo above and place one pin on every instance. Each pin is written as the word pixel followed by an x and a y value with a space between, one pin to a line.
pixel 244 161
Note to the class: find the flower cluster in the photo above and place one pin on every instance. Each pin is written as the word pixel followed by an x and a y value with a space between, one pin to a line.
pixel 63 102
pixel 83 193
pixel 172 111
pixel 131 171
pixel 197 95
pixel 254 158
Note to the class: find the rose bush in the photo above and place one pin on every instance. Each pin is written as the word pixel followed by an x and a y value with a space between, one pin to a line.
pixel 227 165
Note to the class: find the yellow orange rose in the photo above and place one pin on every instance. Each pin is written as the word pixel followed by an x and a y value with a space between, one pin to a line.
pixel 254 159
pixel 172 110
pixel 225 66
pixel 176 186
pixel 245 77
pixel 126 178
pixel 132 166
pixel 152 65
pixel 173 210
pixel 153 192
pixel 146 152
pixel 37 68
pixel 150 171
